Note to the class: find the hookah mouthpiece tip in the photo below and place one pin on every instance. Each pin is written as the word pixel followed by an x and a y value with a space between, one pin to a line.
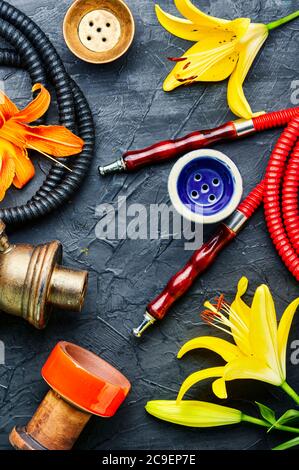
pixel 148 320
pixel 115 167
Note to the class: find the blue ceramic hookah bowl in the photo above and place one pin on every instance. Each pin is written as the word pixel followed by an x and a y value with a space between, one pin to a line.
pixel 205 186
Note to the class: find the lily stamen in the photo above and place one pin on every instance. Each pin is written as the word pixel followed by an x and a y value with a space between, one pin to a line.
pixel 228 311
pixel 227 308
pixel 214 316
pixel 186 65
pixel 177 59
pixel 186 79
pixel 210 318
pixel 214 323
pixel 51 158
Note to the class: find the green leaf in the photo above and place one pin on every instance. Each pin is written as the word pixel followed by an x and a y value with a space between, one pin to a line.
pixel 288 444
pixel 287 417
pixel 267 413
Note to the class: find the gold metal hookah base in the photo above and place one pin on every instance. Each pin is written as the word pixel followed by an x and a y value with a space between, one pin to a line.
pixel 32 281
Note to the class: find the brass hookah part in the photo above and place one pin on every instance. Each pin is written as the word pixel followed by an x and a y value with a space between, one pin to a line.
pixel 32 281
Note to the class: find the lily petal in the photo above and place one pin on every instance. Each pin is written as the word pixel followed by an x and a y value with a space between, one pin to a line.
pixel 194 14
pixel 16 136
pixel 219 388
pixel 55 140
pixel 249 48
pixel 37 108
pixel 243 311
pixel 197 377
pixel 213 58
pixel 226 350
pixel 7 108
pixel 263 329
pixel 201 63
pixel 193 413
pixel 238 305
pixel 250 368
pixel 7 172
pixel 23 167
pixel 186 29
pixel 179 27
pixel 284 330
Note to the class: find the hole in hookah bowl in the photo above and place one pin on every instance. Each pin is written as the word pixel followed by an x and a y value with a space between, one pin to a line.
pixel 212 198
pixel 216 182
pixel 198 177
pixel 204 188
pixel 194 194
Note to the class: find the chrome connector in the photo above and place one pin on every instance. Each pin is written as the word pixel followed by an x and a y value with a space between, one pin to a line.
pixel 236 221
pixel 115 167
pixel 244 127
pixel 147 322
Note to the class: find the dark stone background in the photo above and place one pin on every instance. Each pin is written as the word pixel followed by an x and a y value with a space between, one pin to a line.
pixel 131 111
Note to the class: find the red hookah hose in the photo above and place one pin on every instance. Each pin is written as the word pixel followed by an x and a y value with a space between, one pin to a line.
pixel 279 190
pixel 279 193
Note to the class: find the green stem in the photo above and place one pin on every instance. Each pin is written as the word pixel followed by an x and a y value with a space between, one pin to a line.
pixel 291 392
pixel 260 422
pixel 251 419
pixel 281 21
pixel 280 427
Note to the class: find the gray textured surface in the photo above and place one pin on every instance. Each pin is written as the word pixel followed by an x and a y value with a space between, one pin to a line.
pixel 131 111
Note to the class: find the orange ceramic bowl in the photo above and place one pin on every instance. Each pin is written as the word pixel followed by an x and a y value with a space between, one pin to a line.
pixel 85 380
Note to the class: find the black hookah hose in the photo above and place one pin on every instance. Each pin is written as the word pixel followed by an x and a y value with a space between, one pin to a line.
pixel 34 51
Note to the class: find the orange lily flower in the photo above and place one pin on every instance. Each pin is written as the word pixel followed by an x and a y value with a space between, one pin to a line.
pixel 16 136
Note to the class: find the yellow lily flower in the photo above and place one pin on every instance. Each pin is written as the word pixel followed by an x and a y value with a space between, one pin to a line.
pixel 223 49
pixel 198 414
pixel 248 48
pixel 259 351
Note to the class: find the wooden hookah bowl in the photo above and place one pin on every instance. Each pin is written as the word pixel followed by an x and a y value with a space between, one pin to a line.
pixel 99 31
